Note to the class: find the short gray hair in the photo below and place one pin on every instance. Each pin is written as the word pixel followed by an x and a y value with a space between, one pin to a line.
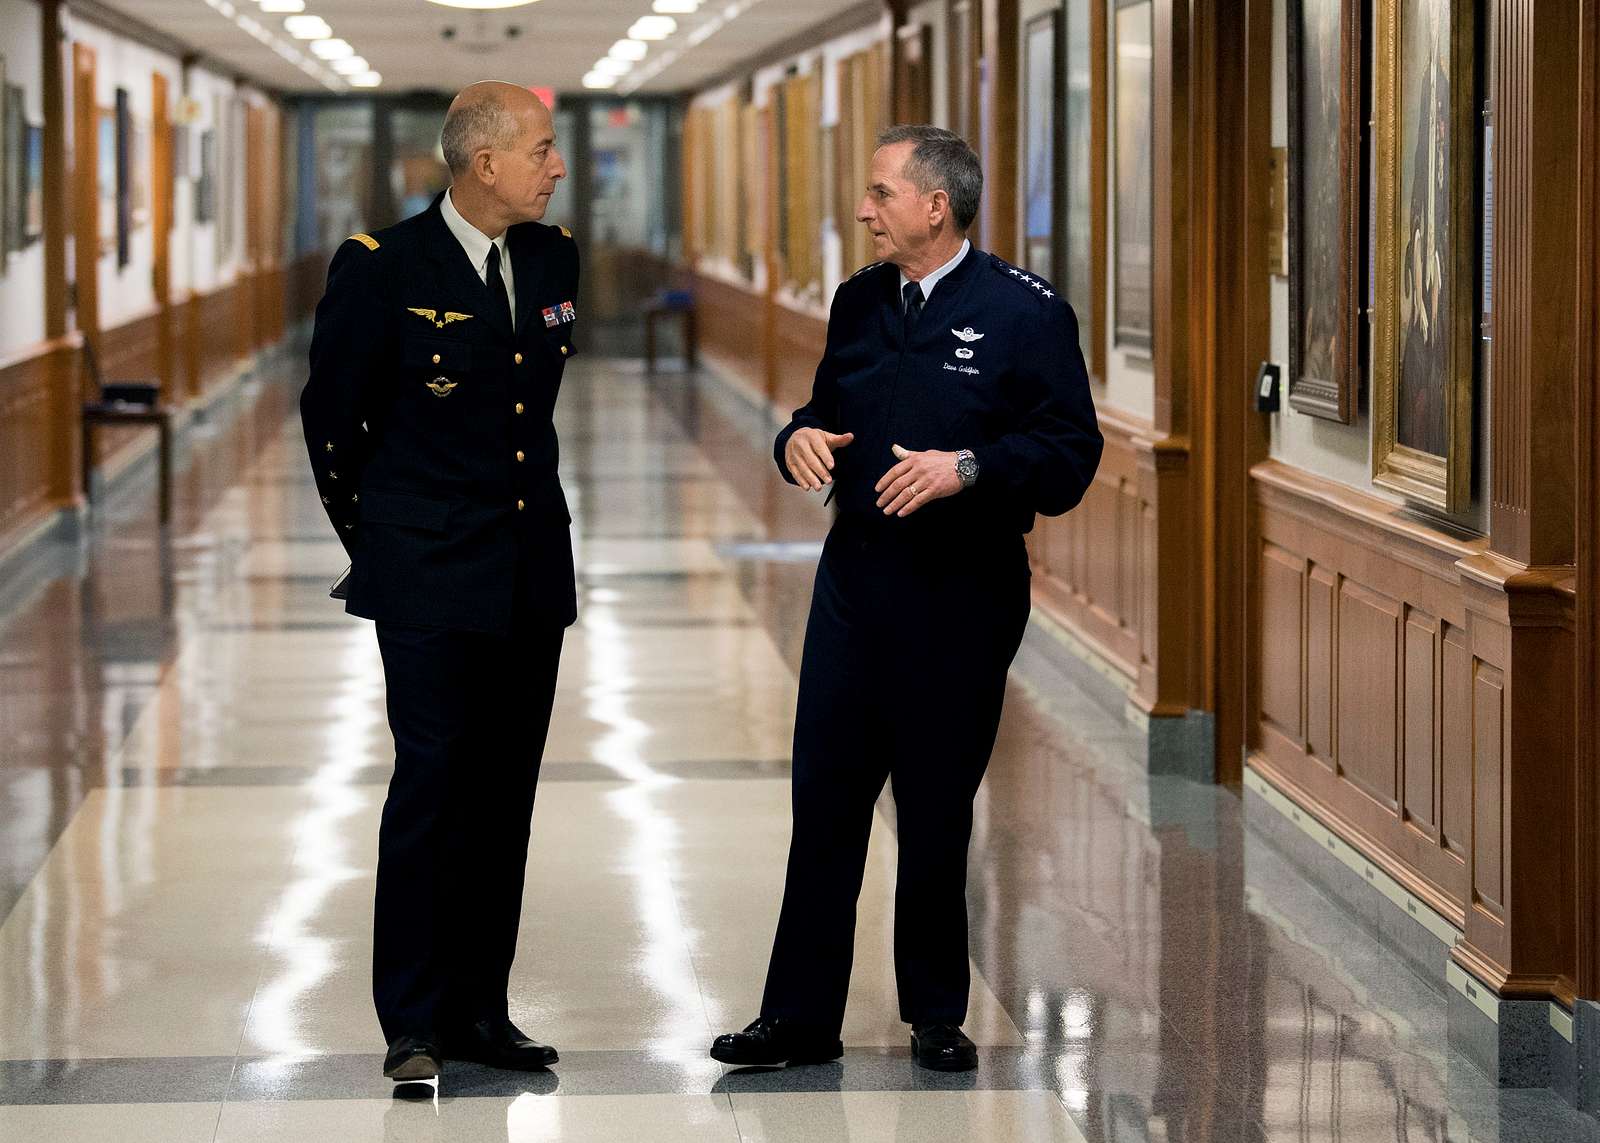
pixel 941 160
pixel 472 127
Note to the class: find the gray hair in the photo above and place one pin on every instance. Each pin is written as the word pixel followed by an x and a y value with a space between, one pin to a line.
pixel 471 127
pixel 941 161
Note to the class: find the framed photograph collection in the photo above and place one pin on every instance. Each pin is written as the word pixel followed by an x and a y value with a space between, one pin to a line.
pixel 21 172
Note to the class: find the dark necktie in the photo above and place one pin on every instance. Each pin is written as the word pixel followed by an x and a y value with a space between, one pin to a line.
pixel 913 310
pixel 497 284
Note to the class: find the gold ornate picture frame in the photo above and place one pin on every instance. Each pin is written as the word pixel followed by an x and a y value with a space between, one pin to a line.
pixel 1425 250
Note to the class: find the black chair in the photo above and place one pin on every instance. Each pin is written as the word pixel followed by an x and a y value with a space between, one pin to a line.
pixel 670 303
pixel 122 404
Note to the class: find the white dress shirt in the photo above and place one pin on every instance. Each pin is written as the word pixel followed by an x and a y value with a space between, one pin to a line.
pixel 476 243
pixel 929 281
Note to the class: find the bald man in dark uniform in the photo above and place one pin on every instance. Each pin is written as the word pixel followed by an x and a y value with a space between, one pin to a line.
pixel 435 364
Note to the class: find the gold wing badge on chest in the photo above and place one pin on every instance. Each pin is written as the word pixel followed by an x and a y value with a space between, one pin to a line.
pixel 433 316
pixel 442 386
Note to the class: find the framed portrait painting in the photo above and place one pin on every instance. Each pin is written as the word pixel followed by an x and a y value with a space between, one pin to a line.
pixel 1081 210
pixel 1426 250
pixel 106 178
pixel 14 167
pixel 33 185
pixel 1134 244
pixel 1327 227
pixel 1041 125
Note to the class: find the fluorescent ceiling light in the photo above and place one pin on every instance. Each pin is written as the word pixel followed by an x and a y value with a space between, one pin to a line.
pixel 352 65
pixel 599 80
pixel 480 4
pixel 283 5
pixel 332 49
pixel 634 50
pixel 608 66
pixel 366 79
pixel 675 7
pixel 307 27
pixel 653 28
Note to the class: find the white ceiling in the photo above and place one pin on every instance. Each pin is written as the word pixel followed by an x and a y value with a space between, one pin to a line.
pixel 560 40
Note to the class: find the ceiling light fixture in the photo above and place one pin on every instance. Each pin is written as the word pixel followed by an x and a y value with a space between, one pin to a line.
pixel 481 5
pixel 634 50
pixel 652 28
pixel 599 81
pixel 332 49
pixel 606 65
pixel 307 27
pixel 351 65
pixel 366 79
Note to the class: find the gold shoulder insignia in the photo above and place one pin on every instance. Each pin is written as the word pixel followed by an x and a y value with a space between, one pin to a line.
pixel 366 240
pixel 451 315
pixel 565 233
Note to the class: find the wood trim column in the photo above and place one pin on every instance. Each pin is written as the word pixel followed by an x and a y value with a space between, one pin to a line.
pixel 1001 47
pixel 85 194
pixel 1520 922
pixel 58 219
pixel 1587 242
pixel 161 234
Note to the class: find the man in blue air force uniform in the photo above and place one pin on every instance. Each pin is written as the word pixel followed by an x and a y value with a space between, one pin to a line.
pixel 437 356
pixel 950 407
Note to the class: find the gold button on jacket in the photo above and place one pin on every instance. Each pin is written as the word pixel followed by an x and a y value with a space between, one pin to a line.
pixel 521 505
pixel 519 408
pixel 521 456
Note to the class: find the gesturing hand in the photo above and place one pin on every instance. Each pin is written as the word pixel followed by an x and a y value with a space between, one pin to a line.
pixel 919 478
pixel 809 455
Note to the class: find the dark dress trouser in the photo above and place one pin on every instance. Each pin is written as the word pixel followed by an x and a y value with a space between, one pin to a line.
pixel 902 678
pixel 469 713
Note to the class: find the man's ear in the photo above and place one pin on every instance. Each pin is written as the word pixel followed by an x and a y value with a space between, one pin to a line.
pixel 938 207
pixel 483 165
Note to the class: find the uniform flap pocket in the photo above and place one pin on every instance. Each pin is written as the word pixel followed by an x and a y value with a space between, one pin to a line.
pixel 560 341
pixel 405 509
pixel 437 353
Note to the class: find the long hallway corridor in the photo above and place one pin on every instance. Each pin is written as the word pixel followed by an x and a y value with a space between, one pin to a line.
pixel 197 755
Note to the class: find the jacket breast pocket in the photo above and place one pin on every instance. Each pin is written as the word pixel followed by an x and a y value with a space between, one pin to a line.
pixel 405 510
pixel 441 355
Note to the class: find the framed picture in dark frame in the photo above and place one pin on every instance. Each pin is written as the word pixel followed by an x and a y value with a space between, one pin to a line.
pixel 1328 111
pixel 1133 53
pixel 1042 150
pixel 123 118
pixel 14 167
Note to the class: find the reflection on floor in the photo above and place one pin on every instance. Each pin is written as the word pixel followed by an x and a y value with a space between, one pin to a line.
pixel 192 759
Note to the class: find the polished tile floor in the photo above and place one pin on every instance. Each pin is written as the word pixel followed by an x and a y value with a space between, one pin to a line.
pixel 193 756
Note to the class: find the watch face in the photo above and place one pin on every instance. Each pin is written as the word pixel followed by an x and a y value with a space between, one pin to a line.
pixel 967 468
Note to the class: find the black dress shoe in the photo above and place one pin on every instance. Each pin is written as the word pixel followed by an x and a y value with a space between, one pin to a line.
pixel 498 1043
pixel 413 1058
pixel 769 1043
pixel 943 1048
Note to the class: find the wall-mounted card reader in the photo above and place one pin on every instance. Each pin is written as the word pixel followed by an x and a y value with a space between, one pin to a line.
pixel 1267 387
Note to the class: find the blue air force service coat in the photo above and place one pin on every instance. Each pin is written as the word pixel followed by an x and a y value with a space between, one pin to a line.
pixel 428 420
pixel 993 365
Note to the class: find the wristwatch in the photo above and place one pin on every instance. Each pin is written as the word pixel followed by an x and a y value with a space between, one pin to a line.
pixel 967 468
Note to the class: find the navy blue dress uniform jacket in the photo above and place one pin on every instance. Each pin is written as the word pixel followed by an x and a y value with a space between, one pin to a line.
pixel 428 420
pixel 993 365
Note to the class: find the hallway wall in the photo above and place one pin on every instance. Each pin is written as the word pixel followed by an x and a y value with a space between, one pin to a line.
pixel 187 306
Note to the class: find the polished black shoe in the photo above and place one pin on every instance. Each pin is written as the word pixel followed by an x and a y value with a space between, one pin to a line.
pixel 771 1043
pixel 413 1058
pixel 498 1043
pixel 943 1048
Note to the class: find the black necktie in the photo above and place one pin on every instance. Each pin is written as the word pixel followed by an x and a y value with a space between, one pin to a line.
pixel 497 284
pixel 913 296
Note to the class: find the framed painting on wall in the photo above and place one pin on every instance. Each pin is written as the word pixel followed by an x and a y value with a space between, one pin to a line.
pixel 33 185
pixel 106 178
pixel 138 173
pixel 1327 230
pixel 1081 212
pixel 122 118
pixel 1133 55
pixel 962 59
pixel 1041 134
pixel 12 167
pixel 1426 214
pixel 205 189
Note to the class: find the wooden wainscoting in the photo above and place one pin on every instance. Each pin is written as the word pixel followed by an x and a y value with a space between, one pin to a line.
pixel 1090 566
pixel 732 330
pixel 1364 686
pixel 38 416
pixel 304 282
pixel 217 335
pixel 1414 690
pixel 798 340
